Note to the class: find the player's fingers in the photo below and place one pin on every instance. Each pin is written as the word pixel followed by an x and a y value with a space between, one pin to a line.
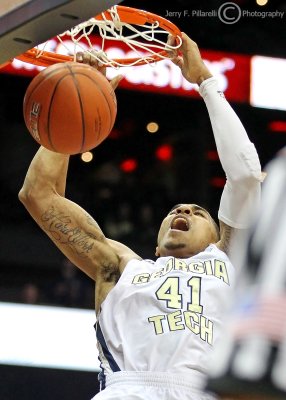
pixel 83 57
pixel 115 81
pixel 87 57
pixel 189 47
pixel 178 61
pixel 171 40
pixel 101 68
pixel 168 47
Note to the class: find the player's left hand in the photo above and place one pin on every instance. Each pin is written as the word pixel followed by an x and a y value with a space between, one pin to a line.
pixel 189 59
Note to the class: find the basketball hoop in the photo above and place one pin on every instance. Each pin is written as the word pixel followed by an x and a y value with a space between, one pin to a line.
pixel 141 31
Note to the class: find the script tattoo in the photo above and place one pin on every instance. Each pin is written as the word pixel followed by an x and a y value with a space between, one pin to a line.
pixel 59 226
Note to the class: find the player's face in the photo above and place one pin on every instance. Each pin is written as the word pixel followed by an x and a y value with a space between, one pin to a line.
pixel 187 230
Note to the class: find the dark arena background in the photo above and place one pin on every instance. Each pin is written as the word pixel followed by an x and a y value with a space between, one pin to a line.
pixel 134 178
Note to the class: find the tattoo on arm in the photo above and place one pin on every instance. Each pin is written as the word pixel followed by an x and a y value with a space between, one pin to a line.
pixel 60 227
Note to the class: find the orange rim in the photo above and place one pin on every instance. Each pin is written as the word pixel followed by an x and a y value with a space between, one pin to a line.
pixel 127 14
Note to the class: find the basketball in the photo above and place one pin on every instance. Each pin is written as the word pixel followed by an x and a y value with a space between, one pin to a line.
pixel 69 108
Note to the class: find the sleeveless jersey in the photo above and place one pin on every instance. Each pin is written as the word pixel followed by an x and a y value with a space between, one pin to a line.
pixel 165 316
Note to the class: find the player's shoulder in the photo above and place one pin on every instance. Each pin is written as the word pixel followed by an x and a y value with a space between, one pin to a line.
pixel 124 253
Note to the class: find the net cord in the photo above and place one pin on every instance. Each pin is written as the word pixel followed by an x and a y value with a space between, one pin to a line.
pixel 113 30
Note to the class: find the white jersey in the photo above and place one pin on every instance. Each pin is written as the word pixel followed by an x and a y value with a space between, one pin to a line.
pixel 165 316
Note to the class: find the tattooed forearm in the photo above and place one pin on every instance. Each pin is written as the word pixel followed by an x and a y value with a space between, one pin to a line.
pixel 91 221
pixel 59 225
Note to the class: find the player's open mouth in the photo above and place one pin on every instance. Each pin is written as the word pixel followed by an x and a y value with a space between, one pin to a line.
pixel 180 223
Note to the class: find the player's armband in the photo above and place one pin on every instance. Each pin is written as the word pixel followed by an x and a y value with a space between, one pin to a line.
pixel 249 165
pixel 238 205
pixel 238 156
pixel 241 195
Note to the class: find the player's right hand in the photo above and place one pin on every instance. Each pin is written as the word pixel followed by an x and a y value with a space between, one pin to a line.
pixel 86 57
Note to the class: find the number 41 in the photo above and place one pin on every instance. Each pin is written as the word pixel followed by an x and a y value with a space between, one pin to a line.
pixel 169 291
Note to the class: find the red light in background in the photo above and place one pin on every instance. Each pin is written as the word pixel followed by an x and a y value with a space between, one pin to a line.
pixel 218 181
pixel 277 126
pixel 164 152
pixel 129 165
pixel 212 155
pixel 115 134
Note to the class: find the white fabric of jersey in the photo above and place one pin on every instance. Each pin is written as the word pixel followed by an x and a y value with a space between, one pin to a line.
pixel 165 316
pixel 151 386
pixel 239 159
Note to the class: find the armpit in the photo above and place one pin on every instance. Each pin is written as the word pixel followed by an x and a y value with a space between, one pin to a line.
pixel 110 273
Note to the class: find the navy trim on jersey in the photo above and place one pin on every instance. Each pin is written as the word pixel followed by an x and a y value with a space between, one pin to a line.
pixel 112 363
pixel 101 379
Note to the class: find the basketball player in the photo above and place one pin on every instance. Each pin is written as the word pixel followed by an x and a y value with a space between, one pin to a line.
pixel 251 365
pixel 157 321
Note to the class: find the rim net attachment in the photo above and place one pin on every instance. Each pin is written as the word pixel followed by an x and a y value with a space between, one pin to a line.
pixel 143 34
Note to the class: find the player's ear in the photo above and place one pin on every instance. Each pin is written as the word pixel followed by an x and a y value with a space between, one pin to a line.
pixel 157 254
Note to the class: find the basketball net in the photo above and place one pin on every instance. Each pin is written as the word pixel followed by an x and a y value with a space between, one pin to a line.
pixel 144 33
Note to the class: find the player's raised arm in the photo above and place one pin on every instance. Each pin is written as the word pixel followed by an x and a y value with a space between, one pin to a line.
pixel 74 232
pixel 238 156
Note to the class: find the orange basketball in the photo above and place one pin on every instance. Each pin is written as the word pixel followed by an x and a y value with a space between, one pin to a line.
pixel 69 108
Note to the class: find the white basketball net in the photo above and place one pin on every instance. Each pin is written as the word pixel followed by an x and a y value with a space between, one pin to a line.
pixel 143 42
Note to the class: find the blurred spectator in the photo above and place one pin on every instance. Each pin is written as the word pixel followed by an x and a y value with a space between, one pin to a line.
pixel 70 290
pixel 251 362
pixel 30 294
pixel 120 226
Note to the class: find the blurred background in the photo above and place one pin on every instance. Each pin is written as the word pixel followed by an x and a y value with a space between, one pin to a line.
pixel 141 171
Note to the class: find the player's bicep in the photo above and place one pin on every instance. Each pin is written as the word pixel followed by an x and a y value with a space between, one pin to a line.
pixel 75 233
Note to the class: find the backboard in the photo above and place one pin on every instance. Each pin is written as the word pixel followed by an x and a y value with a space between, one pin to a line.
pixel 26 23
